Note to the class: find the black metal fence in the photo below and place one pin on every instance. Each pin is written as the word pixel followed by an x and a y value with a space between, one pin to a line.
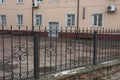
pixel 25 54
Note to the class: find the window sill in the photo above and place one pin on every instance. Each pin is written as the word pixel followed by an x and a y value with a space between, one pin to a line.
pixel 70 25
pixel 3 25
pixel 20 3
pixel 38 25
pixel 3 3
pixel 96 26
pixel 19 25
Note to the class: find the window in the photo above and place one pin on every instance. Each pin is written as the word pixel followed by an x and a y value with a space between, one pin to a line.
pixel 38 20
pixel 19 1
pixel 97 19
pixel 2 1
pixel 2 19
pixel 70 19
pixel 19 19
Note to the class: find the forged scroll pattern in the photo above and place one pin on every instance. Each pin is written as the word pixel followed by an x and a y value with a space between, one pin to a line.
pixel 70 49
pixel 16 76
pixel 51 49
pixel 19 52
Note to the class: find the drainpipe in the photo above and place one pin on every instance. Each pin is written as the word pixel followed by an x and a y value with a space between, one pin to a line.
pixel 36 41
pixel 32 16
pixel 78 15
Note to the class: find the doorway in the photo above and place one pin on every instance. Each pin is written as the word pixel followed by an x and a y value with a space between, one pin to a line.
pixel 53 29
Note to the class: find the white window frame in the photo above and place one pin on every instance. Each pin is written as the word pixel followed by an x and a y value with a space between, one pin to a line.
pixel 19 1
pixel 19 19
pixel 97 23
pixel 2 1
pixel 3 19
pixel 71 18
pixel 53 0
pixel 39 19
pixel 70 0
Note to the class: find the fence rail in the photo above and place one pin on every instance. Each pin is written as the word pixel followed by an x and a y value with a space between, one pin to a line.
pixel 25 54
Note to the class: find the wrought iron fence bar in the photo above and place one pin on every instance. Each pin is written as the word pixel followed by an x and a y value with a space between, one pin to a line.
pixel 118 43
pixel 66 48
pixel 102 39
pixel 70 50
pixel 75 33
pixel 91 45
pixel 19 43
pixel 79 57
pixel 105 45
pixel 3 50
pixel 108 44
pixel 117 55
pixel 56 53
pixel 98 50
pixel 114 45
pixel 86 52
pixel 50 52
pixel 102 42
pixel 83 41
pixel 61 48
pixel 27 49
pixel 77 48
pixel 11 37
pixel 109 54
pixel 111 45
pixel 111 41
pixel 45 53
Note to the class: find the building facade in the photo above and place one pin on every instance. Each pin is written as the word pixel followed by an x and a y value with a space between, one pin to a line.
pixel 54 14
pixel 15 13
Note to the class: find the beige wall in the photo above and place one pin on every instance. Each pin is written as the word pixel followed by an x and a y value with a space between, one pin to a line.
pixel 57 11
pixel 11 9
pixel 99 6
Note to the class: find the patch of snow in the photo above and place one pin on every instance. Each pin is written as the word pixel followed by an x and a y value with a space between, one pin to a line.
pixel 108 62
pixel 73 71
